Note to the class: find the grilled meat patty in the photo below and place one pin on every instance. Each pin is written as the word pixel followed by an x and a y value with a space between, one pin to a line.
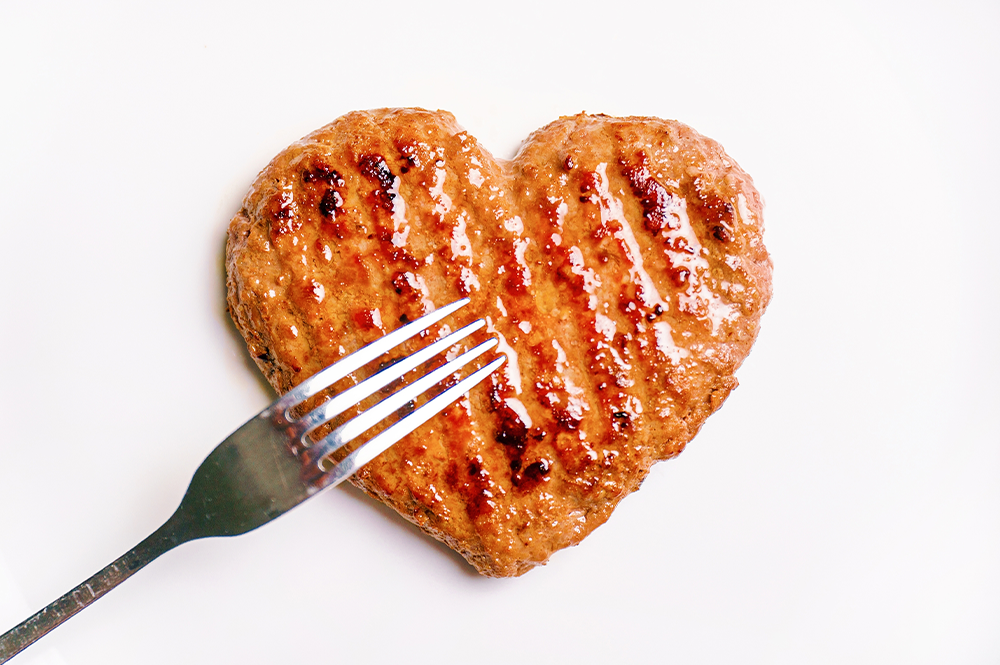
pixel 620 262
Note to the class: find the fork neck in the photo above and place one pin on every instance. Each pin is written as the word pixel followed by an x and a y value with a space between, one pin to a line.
pixel 173 532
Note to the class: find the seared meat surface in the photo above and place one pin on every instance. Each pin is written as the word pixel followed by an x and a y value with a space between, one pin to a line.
pixel 620 262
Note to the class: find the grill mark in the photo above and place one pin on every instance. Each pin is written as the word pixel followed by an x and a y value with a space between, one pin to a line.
pixel 621 284
pixel 473 483
pixel 658 204
pixel 282 212
pixel 580 343
pixel 716 211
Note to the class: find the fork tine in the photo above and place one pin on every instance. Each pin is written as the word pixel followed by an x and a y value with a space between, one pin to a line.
pixel 381 442
pixel 312 457
pixel 353 395
pixel 257 474
pixel 329 376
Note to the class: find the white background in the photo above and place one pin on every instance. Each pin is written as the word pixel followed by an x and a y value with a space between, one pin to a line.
pixel 843 507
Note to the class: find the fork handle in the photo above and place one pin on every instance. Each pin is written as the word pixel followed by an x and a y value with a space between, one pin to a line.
pixel 41 623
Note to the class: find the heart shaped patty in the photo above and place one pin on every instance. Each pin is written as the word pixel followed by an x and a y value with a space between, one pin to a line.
pixel 620 262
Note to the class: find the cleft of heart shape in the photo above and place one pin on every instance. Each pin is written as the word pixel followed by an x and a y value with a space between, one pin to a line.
pixel 619 261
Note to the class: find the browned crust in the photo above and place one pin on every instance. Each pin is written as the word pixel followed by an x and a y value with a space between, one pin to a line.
pixel 620 261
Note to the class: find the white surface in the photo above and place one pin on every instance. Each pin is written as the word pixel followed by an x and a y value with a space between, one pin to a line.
pixel 844 506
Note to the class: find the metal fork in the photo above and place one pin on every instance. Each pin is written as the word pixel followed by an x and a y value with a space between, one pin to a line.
pixel 271 464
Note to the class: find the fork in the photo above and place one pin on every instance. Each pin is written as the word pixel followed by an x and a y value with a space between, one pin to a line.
pixel 271 464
